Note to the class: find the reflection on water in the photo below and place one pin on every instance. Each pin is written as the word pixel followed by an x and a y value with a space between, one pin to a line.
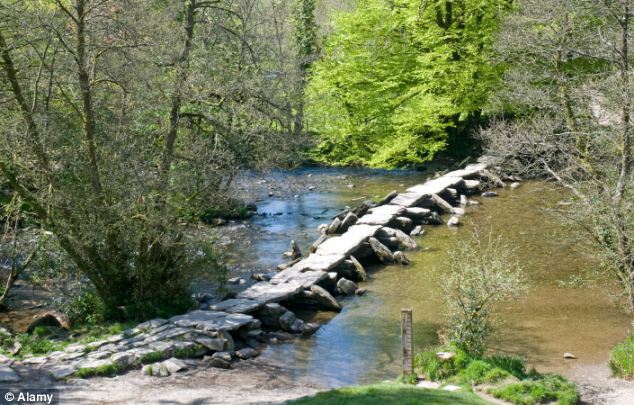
pixel 362 343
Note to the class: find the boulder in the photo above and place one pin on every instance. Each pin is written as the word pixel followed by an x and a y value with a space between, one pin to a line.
pixel 322 238
pixel 417 212
pixel 361 291
pixel 399 257
pixel 453 222
pixel 489 194
pixel 270 314
pixel 287 321
pixel 346 287
pixel 515 185
pixel 464 201
pixel 246 353
pixel 382 252
pixel 403 223
pixel 49 318
pixel 347 222
pixel 293 252
pixel 334 226
pixel 388 198
pixel 217 362
pixel 417 231
pixel 402 239
pixel 324 298
pixel 308 328
pixel 226 356
pixel 359 269
pixel 570 356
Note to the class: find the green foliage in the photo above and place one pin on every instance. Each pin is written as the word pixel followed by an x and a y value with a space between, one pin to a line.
pixel 546 388
pixel 514 365
pixel 480 372
pixel 152 357
pixel 84 308
pixel 31 344
pixel 407 379
pixel 506 374
pixel 622 358
pixel 190 352
pixel 381 394
pixel 398 76
pixel 433 368
pixel 107 370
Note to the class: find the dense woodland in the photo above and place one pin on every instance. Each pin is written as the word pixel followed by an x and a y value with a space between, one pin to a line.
pixel 123 119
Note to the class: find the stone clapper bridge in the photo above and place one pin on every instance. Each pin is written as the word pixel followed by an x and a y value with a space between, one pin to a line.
pixel 232 328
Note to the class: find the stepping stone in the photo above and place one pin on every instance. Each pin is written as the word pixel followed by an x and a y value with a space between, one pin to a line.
pixel 266 292
pixel 212 320
pixel 237 305
pixel 436 186
pixel 349 242
pixel 62 371
pixel 318 262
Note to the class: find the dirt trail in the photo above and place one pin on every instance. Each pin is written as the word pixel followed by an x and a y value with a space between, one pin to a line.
pixel 598 387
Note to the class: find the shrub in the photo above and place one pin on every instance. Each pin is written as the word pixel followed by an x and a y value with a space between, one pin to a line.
pixel 622 358
pixel 84 308
pixel 436 369
pixel 482 273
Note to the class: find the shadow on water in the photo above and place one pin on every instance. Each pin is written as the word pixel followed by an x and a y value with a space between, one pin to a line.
pixel 362 343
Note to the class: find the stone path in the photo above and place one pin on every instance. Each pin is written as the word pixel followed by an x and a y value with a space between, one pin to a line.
pixel 237 322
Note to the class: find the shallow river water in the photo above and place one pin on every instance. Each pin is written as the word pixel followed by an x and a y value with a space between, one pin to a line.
pixel 362 343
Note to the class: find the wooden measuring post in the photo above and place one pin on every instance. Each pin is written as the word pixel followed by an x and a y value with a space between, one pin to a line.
pixel 407 341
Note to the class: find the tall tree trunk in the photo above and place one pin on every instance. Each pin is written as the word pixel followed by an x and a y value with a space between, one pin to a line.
pixel 182 73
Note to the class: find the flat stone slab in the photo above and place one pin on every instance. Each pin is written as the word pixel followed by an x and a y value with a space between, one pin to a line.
pixel 436 186
pixel 408 199
pixel 212 320
pixel 349 242
pixel 8 375
pixel 390 209
pixel 266 292
pixel 306 278
pixel 237 305
pixel 318 262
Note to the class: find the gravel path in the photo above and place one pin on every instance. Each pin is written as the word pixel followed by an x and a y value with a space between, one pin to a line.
pixel 250 382
pixel 598 387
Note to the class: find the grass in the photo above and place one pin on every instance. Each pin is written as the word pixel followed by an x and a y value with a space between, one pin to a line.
pixel 380 394
pixel 107 370
pixel 504 377
pixel 152 357
pixel 546 388
pixel 46 339
pixel 622 359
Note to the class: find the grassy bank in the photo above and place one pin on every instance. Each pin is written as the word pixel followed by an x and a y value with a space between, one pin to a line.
pixel 380 394
pixel 622 359
pixel 504 377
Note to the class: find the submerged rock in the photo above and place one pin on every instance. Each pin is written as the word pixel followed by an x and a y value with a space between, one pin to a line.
pixel 490 194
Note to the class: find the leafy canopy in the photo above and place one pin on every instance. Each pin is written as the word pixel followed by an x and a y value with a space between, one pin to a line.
pixel 399 76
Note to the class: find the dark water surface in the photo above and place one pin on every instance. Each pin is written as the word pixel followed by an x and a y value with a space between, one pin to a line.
pixel 362 343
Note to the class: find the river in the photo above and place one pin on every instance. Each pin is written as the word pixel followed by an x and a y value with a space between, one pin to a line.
pixel 565 309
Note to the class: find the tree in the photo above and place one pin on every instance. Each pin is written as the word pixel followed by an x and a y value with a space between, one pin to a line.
pixel 398 77
pixel 574 122
pixel 121 119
